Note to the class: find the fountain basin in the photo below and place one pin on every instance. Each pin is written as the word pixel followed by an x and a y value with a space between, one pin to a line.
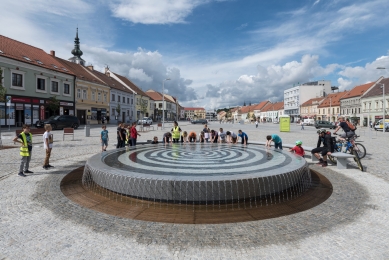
pixel 198 173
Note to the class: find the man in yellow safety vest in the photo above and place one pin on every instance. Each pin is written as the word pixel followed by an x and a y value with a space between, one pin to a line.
pixel 25 139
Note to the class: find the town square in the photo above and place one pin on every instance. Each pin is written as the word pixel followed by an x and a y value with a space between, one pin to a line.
pixel 194 130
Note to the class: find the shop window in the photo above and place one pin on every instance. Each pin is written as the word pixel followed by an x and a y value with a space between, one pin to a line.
pixel 66 89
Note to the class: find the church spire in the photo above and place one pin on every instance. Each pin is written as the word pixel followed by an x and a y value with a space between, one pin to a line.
pixel 77 51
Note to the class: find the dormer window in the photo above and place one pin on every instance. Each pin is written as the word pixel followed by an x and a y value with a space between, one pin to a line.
pixel 1 52
pixel 55 67
pixel 39 62
pixel 27 58
pixel 64 69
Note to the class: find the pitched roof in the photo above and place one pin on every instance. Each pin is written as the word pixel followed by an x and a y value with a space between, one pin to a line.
pixel 29 54
pixel 193 108
pixel 312 101
pixel 358 90
pixel 278 106
pixel 232 110
pixel 247 109
pixel 332 99
pixel 267 107
pixel 261 105
pixel 130 84
pixel 110 81
pixel 80 71
pixel 376 90
pixel 154 95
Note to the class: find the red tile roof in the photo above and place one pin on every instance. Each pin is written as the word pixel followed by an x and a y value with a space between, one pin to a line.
pixel 80 71
pixel 29 54
pixel 193 108
pixel 278 106
pixel 247 109
pixel 332 99
pixel 312 101
pixel 267 107
pixel 154 95
pixel 110 81
pixel 358 90
pixel 261 105
pixel 131 85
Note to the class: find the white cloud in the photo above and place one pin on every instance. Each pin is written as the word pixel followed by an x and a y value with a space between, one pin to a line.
pixel 140 75
pixel 154 11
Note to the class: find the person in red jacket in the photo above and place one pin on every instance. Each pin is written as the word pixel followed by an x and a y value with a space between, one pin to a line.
pixel 133 134
pixel 298 149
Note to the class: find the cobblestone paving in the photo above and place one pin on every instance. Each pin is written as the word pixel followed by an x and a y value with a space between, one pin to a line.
pixel 38 222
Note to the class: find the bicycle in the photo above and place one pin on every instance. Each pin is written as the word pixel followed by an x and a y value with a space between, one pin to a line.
pixel 350 147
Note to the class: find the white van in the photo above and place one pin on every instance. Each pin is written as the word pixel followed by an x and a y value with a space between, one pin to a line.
pixel 309 121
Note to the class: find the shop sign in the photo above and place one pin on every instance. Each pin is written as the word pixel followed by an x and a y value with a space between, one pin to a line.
pixel 19 107
pixel 17 99
pixel 65 104
pixel 36 101
pixel 42 112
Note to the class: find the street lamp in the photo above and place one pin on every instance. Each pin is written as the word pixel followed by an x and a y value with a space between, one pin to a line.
pixel 383 101
pixel 163 103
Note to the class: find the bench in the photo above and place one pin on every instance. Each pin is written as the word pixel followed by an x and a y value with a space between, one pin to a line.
pixel 341 159
pixel 67 131
pixel 159 125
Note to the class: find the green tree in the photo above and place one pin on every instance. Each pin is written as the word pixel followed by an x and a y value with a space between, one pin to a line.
pixel 143 106
pixel 53 104
pixel 118 109
pixel 3 90
pixel 253 117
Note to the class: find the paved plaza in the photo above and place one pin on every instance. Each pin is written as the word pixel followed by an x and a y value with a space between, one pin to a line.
pixel 38 222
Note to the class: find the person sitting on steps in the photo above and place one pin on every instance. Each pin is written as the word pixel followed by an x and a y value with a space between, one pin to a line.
pixel 327 148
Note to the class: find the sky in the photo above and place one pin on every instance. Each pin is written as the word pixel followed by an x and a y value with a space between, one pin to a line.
pixel 216 53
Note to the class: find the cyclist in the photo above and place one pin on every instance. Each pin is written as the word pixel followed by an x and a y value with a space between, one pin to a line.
pixel 347 131
pixel 327 148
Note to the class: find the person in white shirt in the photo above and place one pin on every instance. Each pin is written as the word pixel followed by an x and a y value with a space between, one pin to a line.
pixel 231 137
pixel 48 145
pixel 222 136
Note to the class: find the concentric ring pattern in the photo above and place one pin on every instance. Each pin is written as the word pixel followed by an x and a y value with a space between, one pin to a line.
pixel 197 172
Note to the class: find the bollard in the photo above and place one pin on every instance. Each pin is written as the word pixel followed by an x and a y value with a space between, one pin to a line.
pixel 87 129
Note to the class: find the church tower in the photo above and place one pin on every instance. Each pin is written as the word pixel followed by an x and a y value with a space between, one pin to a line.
pixel 77 52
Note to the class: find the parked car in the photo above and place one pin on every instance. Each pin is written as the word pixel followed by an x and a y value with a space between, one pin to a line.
pixel 59 122
pixel 199 121
pixel 324 124
pixel 145 120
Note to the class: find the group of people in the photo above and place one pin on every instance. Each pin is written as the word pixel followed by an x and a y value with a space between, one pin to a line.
pixel 25 139
pixel 207 135
pixel 125 135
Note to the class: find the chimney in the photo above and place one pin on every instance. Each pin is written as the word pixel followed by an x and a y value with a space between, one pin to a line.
pixel 90 67
pixel 108 74
pixel 106 71
pixel 52 53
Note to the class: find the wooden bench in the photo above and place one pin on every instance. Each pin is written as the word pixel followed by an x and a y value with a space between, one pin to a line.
pixel 341 159
pixel 68 131
pixel 159 125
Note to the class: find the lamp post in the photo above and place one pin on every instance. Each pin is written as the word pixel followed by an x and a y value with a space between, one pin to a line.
pixel 383 102
pixel 163 103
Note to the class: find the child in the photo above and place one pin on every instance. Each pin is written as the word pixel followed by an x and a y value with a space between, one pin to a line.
pixel 243 136
pixel 298 149
pixel 231 137
pixel 25 149
pixel 192 137
pixel 48 145
pixel 104 138
pixel 274 138
pixel 155 140
pixel 202 137
pixel 256 123
pixel 184 137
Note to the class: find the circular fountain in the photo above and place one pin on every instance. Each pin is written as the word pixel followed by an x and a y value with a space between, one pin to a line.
pixel 198 173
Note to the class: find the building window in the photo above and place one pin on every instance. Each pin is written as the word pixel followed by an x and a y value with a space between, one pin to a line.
pixel 54 87
pixel 78 93
pixel 84 94
pixel 113 97
pixel 93 95
pixel 128 100
pixel 118 99
pixel 17 80
pixel 99 96
pixel 105 97
pixel 41 84
pixel 128 112
pixel 66 89
pixel 132 101
pixel 124 100
pixel 160 105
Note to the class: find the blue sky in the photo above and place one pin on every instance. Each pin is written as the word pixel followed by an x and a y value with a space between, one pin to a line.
pixel 217 53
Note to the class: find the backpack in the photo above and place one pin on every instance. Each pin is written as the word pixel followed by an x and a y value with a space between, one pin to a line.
pixel 351 126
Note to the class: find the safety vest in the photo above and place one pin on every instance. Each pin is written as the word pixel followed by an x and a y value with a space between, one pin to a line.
pixel 24 149
pixel 176 133
pixel 127 135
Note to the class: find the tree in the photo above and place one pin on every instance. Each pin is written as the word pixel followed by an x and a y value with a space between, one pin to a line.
pixel 3 90
pixel 118 109
pixel 143 106
pixel 53 104
pixel 253 117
